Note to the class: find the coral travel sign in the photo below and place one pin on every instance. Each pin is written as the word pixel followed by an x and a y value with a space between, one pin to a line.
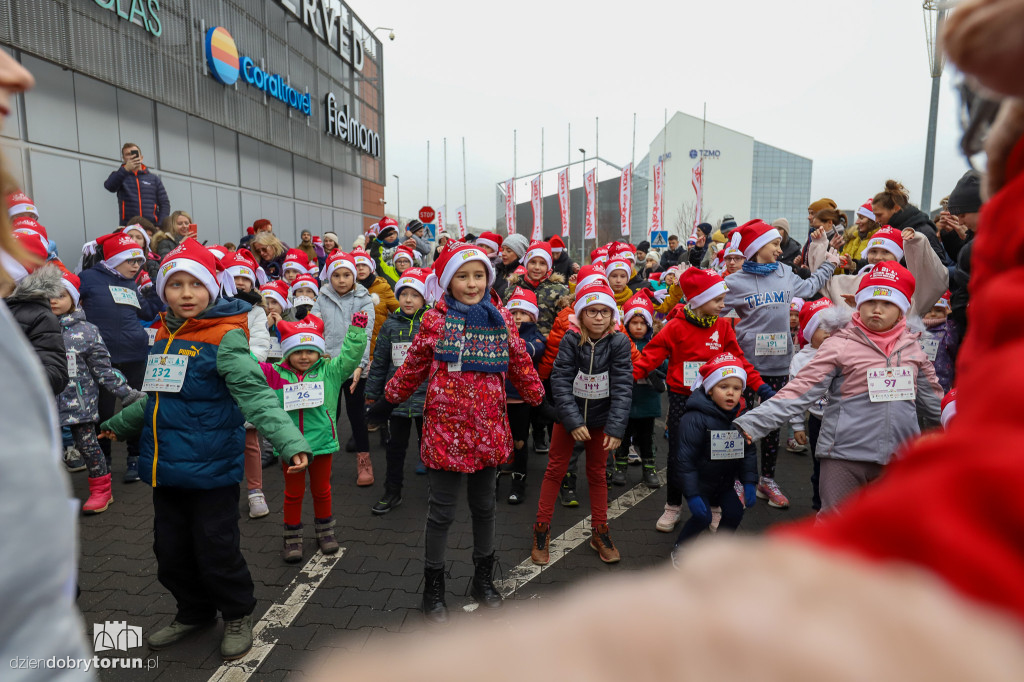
pixel 331 21
pixel 226 66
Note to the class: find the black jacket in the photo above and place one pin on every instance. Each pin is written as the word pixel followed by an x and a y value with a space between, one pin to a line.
pixel 912 216
pixel 30 306
pixel 790 250
pixel 672 257
pixel 501 274
pixel 611 355
pixel 696 473
pixel 563 265
pixel 138 193
pixel 958 295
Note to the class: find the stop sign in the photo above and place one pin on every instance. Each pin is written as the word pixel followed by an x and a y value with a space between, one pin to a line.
pixel 427 214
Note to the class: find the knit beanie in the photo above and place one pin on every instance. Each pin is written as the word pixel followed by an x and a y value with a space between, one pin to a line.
pixel 518 243
pixel 332 235
pixel 822 203
pixel 966 196
pixel 728 223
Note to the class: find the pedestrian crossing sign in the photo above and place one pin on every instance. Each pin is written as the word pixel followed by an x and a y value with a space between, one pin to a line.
pixel 659 239
pixel 431 231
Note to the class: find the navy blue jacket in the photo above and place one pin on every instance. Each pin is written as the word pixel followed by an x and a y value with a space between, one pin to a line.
pixel 138 193
pixel 535 345
pixel 696 473
pixel 119 324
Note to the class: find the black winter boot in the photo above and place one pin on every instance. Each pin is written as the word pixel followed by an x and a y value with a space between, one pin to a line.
pixel 482 588
pixel 651 479
pixel 434 608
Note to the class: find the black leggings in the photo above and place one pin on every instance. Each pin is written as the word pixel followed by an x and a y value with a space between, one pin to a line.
pixel 639 431
pixel 355 408
pixel 813 430
pixel 398 445
pixel 770 443
pixel 676 407
pixel 135 374
pixel 519 423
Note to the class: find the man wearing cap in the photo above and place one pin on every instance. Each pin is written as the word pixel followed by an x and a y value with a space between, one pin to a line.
pixel 415 231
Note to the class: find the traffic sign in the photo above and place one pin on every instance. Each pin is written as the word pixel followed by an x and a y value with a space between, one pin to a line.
pixel 427 214
pixel 659 239
pixel 431 231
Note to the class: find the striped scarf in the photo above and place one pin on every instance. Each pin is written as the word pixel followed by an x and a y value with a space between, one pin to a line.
pixel 476 334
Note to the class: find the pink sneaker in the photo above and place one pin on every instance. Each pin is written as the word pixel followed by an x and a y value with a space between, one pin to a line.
pixel 768 489
pixel 669 519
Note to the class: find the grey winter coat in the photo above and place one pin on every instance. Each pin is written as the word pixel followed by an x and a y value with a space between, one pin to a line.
pixel 610 354
pixel 336 312
pixel 422 245
pixel 762 304
pixel 88 364
pixel 399 328
pixel 30 306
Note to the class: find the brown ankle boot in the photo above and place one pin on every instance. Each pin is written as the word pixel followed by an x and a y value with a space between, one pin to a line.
pixel 541 543
pixel 364 469
pixel 601 542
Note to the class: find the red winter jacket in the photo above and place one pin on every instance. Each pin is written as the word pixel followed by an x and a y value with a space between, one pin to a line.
pixel 681 342
pixel 465 423
pixel 949 503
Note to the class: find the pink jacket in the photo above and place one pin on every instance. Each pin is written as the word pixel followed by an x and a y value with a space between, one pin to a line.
pixel 465 424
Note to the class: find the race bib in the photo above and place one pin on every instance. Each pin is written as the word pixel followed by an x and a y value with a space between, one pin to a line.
pixel 72 364
pixel 124 296
pixel 398 353
pixel 303 395
pixel 165 373
pixel 772 344
pixel 930 346
pixel 275 349
pixel 726 445
pixel 590 386
pixel 302 300
pixel 887 384
pixel 151 335
pixel 690 372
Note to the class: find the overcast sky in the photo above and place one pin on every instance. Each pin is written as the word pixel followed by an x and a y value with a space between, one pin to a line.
pixel 843 83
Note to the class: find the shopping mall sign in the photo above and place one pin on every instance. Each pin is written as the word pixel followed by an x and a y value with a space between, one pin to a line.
pixel 226 66
pixel 331 21
pixel 346 128
pixel 140 12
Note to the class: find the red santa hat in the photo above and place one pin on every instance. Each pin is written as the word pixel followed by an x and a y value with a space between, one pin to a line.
pixel 719 368
pixel 241 263
pixel 589 274
pixel 700 286
pixel 943 301
pixel 866 210
pixel 888 238
pixel 277 290
pixel 307 334
pixel 454 256
pixel 639 304
pixel 622 249
pixel 811 315
pixel 73 286
pixel 557 245
pixel 887 281
pixel 135 227
pixel 18 202
pixel 415 278
pixel 304 281
pixel 19 269
pixel 619 263
pixel 524 300
pixel 118 248
pixel 655 276
pixel 28 226
pixel 296 260
pixel 143 280
pixel 598 293
pixel 490 240
pixel 338 259
pixel 317 239
pixel 403 252
pixel 386 224
pixel 948 408
pixel 373 230
pixel 599 256
pixel 218 251
pixel 540 250
pixel 361 257
pixel 754 235
pixel 192 258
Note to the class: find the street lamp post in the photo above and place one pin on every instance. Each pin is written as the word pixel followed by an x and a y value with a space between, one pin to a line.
pixel 933 17
pixel 583 224
pixel 398 198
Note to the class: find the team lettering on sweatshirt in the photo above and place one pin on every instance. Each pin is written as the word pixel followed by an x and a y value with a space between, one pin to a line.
pixel 767 298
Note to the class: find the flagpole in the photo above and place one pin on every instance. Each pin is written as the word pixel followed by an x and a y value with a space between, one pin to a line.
pixel 541 183
pixel 428 172
pixel 446 173
pixel 597 155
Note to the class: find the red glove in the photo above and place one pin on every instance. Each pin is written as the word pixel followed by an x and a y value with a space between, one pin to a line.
pixel 360 320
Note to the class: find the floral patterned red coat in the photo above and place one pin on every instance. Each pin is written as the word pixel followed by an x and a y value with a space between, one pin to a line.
pixel 465 423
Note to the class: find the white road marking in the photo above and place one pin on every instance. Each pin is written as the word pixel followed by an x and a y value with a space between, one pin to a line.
pixel 278 617
pixel 572 538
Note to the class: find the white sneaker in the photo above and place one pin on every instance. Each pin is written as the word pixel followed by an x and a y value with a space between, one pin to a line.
pixel 257 504
pixel 793 446
pixel 633 457
pixel 670 517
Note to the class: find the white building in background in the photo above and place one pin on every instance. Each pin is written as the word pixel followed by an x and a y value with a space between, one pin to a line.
pixel 742 177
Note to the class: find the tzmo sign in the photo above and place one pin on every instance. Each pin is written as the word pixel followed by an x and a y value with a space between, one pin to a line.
pixel 331 21
pixel 345 127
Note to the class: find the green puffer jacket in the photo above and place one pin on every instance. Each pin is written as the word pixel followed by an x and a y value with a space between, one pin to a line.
pixel 548 294
pixel 317 423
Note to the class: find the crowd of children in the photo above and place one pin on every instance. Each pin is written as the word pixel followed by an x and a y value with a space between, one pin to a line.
pixel 217 365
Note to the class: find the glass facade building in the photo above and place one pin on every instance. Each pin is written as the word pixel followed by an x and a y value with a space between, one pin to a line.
pixel 781 187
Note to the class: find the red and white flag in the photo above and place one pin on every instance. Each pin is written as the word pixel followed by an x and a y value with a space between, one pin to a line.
pixel 440 218
pixel 537 202
pixel 563 199
pixel 656 214
pixel 460 214
pixel 590 187
pixel 510 206
pixel 626 199
pixel 698 188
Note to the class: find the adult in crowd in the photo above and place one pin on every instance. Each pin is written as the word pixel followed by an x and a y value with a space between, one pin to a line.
pixel 642 249
pixel 330 243
pixel 269 252
pixel 562 264
pixel 139 191
pixel 892 207
pixel 717 241
pixel 957 224
pixel 790 247
pixel 858 234
pixel 674 254
pixel 416 237
pixel 307 246
pixel 258 227
pixel 175 229
pixel 442 239
pixel 513 248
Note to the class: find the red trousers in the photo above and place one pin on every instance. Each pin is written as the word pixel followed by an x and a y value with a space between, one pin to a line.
pixel 319 485
pixel 558 465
